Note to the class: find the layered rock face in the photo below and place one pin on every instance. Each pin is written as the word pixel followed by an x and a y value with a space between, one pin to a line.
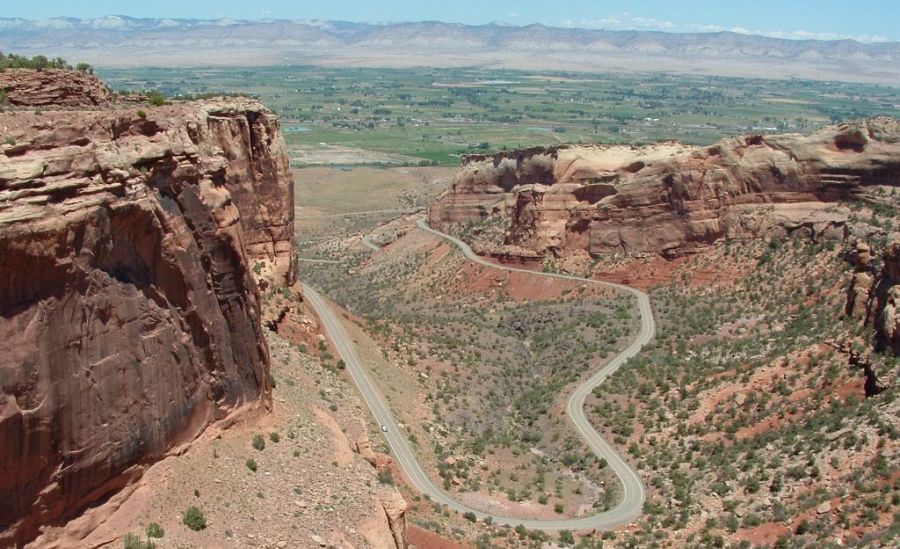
pixel 670 199
pixel 873 298
pixel 129 313
pixel 31 88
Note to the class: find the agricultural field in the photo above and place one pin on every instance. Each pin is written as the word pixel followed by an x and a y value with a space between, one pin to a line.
pixel 432 116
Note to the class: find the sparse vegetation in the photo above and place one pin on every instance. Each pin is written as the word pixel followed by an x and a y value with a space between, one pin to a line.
pixel 131 541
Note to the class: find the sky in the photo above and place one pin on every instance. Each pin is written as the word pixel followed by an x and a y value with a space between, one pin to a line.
pixel 863 20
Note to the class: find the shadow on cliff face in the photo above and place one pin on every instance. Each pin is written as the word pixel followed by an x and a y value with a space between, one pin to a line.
pixel 129 315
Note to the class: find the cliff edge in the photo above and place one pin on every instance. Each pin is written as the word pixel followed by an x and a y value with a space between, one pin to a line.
pixel 132 248
pixel 670 199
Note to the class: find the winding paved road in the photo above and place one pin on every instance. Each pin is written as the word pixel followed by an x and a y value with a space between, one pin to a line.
pixel 367 242
pixel 316 260
pixel 628 509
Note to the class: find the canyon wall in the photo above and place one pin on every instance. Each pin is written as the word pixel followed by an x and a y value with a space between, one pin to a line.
pixel 671 199
pixel 132 248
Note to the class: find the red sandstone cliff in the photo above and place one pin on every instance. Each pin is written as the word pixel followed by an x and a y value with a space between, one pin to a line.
pixel 671 199
pixel 129 313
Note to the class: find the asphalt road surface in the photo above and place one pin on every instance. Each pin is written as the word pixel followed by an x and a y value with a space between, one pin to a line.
pixel 631 504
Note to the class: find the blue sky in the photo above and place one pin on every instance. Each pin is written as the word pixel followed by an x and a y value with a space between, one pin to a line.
pixel 865 20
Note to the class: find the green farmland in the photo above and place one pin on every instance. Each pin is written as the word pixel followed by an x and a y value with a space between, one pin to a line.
pixel 431 116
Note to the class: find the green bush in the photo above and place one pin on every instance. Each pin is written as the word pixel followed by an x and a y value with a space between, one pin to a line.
pixel 156 98
pixel 469 516
pixel 154 530
pixel 131 541
pixel 274 437
pixel 194 519
pixel 142 115
pixel 251 464
pixel 566 537
pixel 259 442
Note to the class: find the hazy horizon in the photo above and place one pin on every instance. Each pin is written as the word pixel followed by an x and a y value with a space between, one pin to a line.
pixel 865 21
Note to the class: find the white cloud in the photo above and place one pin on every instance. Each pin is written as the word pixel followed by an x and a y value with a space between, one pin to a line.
pixel 626 21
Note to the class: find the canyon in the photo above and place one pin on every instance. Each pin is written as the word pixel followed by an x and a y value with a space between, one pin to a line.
pixel 153 322
pixel 133 247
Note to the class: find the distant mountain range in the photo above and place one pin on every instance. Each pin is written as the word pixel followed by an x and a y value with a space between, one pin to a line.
pixel 126 41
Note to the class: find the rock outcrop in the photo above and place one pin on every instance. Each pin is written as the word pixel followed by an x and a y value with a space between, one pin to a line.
pixel 395 510
pixel 873 298
pixel 887 301
pixel 129 313
pixel 671 199
pixel 57 88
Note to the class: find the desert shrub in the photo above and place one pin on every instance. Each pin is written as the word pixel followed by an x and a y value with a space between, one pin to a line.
pixel 274 437
pixel 156 98
pixel 142 115
pixel 386 477
pixel 259 442
pixel 251 464
pixel 469 516
pixel 154 530
pixel 194 518
pixel 131 541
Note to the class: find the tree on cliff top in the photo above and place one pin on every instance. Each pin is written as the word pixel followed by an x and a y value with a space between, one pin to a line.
pixel 39 62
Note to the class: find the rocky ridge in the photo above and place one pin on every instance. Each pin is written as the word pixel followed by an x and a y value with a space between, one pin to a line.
pixel 132 248
pixel 671 199
pixel 56 88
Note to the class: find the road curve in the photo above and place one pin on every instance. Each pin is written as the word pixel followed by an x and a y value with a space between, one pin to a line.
pixel 367 242
pixel 628 509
